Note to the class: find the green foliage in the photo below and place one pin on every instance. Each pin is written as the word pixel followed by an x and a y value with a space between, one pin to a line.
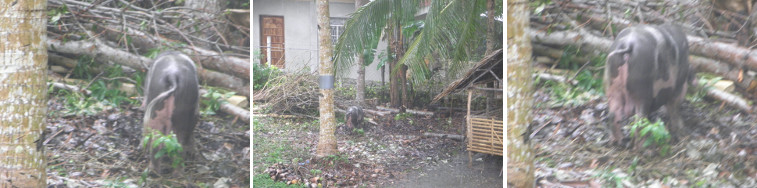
pixel 655 133
pixel 83 66
pixel 257 126
pixel 263 180
pixel 315 172
pixel 213 99
pixel 56 13
pixel 261 74
pixel 275 156
pixel 349 92
pixel 588 80
pixel 336 159
pixel 171 146
pixel 706 82
pixel 359 131
pixel 402 116
pixel 116 183
pixel 612 177
pixel 538 6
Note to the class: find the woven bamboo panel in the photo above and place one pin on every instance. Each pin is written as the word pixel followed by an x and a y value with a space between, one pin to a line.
pixel 485 135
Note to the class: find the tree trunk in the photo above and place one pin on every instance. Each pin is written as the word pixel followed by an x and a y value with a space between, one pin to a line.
pixel 490 37
pixel 24 93
pixel 520 164
pixel 394 78
pixel 360 96
pixel 327 138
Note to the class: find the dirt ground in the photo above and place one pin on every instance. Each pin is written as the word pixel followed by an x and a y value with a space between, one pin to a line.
pixel 717 149
pixel 393 153
pixel 101 150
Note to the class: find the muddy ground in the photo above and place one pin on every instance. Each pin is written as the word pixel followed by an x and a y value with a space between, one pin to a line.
pixel 101 150
pixel 717 149
pixel 391 154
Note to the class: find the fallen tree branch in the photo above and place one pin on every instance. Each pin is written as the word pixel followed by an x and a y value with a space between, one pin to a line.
pixel 416 112
pixel 712 66
pixel 232 109
pixel 68 87
pixel 731 100
pixel 450 136
pixel 104 53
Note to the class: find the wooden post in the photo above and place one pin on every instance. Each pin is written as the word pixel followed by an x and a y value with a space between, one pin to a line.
pixel 469 134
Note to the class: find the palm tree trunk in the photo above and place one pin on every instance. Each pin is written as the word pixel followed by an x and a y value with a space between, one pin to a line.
pixel 360 96
pixel 520 164
pixel 490 37
pixel 394 78
pixel 327 138
pixel 24 93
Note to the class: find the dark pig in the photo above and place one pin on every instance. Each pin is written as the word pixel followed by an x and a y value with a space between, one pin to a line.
pixel 354 117
pixel 648 67
pixel 171 101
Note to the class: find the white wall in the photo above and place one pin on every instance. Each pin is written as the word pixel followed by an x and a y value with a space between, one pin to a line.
pixel 301 34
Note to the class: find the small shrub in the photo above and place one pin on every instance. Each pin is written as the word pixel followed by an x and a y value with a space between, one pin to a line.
pixel 652 133
pixel 261 74
pixel 171 147
pixel 213 99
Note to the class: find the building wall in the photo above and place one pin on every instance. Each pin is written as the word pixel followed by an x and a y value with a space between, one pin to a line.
pixel 301 34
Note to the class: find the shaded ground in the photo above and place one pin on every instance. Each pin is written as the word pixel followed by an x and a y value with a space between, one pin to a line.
pixel 717 149
pixel 454 172
pixel 391 154
pixel 101 150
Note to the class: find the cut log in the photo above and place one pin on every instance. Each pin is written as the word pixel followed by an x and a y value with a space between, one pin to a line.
pixel 105 53
pixel 450 136
pixel 376 113
pixel 716 67
pixel 415 112
pixel 71 88
pixel 731 100
pixel 556 78
pixel 243 114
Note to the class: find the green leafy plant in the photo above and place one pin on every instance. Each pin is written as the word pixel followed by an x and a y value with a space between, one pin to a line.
pixel 171 147
pixel 402 116
pixel 213 99
pixel 262 74
pixel 706 82
pixel 56 13
pixel 315 171
pixel 263 180
pixel 358 131
pixel 652 133
pixel 612 176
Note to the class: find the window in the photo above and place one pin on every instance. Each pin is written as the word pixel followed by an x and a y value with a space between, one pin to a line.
pixel 337 28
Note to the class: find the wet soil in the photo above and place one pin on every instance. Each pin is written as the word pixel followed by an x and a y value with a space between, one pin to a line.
pixel 393 153
pixel 102 150
pixel 717 148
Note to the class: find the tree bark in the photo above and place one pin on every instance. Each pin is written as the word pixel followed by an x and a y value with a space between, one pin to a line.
pixel 520 164
pixel 360 95
pixel 23 93
pixel 327 138
pixel 103 52
pixel 394 79
pixel 490 37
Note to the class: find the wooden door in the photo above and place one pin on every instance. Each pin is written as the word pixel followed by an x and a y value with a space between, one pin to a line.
pixel 272 32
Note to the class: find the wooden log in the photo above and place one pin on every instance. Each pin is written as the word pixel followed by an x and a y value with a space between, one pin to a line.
pixel 411 111
pixel 450 136
pixel 731 100
pixel 243 114
pixel 71 88
pixel 104 53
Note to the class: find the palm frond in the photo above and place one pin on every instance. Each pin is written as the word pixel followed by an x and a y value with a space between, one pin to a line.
pixel 364 26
